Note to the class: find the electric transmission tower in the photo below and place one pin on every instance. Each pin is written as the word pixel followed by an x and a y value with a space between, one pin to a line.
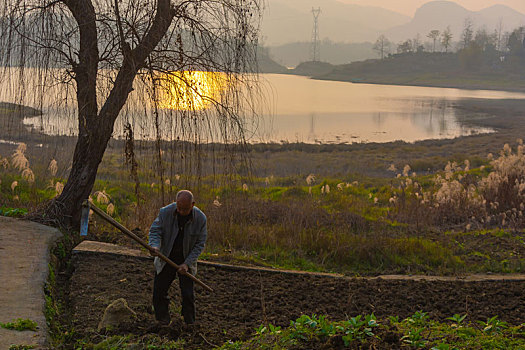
pixel 316 43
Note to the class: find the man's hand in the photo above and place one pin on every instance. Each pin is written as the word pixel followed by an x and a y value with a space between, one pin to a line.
pixel 183 269
pixel 154 251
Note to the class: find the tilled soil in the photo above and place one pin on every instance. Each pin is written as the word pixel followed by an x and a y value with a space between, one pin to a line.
pixel 243 300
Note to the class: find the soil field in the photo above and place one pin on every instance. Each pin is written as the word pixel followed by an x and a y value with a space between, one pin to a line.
pixel 243 300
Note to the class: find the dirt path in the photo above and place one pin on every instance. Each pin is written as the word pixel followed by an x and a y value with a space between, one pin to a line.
pixel 24 258
pixel 101 247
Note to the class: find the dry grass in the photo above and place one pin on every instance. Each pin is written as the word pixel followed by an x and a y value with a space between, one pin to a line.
pixel 481 198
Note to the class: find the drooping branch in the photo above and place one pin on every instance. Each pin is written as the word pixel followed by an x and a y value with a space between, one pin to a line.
pixel 135 61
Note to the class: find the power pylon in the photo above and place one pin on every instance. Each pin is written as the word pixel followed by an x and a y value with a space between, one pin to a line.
pixel 316 43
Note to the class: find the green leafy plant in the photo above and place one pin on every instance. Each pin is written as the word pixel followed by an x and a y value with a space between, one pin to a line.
pixel 418 319
pixel 13 212
pixel 303 326
pixel 414 338
pixel 20 325
pixel 358 329
pixel 457 319
pixel 493 325
pixel 271 329
pixel 393 320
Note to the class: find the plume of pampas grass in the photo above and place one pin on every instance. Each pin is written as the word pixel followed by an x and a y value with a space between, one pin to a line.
pixel 310 179
pixel 102 197
pixel 406 169
pixel 22 147
pixel 110 209
pixel 19 161
pixel 28 175
pixel 13 185
pixel 59 187
pixel 53 167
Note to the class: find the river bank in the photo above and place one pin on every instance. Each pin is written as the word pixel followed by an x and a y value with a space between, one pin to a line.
pixel 506 117
pixel 436 81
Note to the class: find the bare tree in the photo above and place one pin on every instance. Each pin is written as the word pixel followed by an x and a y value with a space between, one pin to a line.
pixel 434 35
pixel 382 46
pixel 468 33
pixel 405 47
pixel 93 51
pixel 499 35
pixel 485 40
pixel 446 38
pixel 416 43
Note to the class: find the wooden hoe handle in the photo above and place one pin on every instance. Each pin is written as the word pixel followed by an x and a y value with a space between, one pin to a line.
pixel 137 239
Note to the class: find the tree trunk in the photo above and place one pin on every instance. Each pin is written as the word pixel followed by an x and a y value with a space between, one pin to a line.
pixel 66 209
pixel 96 127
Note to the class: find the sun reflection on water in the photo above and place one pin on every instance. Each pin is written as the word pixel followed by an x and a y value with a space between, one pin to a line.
pixel 191 90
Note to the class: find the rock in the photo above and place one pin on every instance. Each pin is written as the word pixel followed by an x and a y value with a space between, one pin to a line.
pixel 117 313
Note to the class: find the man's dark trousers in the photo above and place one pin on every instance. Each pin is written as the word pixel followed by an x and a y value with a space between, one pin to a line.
pixel 161 300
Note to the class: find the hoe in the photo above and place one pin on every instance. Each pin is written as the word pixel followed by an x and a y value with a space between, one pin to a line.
pixel 86 206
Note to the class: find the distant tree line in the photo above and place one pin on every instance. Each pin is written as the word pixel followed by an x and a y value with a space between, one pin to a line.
pixel 474 46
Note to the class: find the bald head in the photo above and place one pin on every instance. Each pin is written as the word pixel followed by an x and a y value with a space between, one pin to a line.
pixel 185 202
pixel 185 195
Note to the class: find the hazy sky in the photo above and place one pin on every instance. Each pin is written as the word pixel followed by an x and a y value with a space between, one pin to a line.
pixel 409 7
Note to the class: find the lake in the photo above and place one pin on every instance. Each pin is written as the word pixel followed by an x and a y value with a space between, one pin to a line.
pixel 307 110
pixel 299 109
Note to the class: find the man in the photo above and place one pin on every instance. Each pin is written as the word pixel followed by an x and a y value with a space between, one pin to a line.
pixel 179 232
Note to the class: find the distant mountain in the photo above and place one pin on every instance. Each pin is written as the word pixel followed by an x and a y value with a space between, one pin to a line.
pixel 286 21
pixel 440 14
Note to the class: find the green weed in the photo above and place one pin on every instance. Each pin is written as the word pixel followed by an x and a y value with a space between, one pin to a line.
pixel 13 212
pixel 21 347
pixel 20 325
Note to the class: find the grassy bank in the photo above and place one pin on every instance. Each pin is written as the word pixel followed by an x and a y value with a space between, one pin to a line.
pixel 450 70
pixel 442 223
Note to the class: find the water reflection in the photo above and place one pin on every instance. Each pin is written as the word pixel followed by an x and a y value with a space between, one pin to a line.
pixel 190 90
pixel 332 112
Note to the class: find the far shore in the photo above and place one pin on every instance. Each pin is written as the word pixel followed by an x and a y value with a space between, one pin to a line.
pixel 446 85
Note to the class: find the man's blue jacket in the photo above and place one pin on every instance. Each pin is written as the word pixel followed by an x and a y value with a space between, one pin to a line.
pixel 165 229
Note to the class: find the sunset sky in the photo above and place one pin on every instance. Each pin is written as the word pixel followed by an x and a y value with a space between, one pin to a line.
pixel 409 7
